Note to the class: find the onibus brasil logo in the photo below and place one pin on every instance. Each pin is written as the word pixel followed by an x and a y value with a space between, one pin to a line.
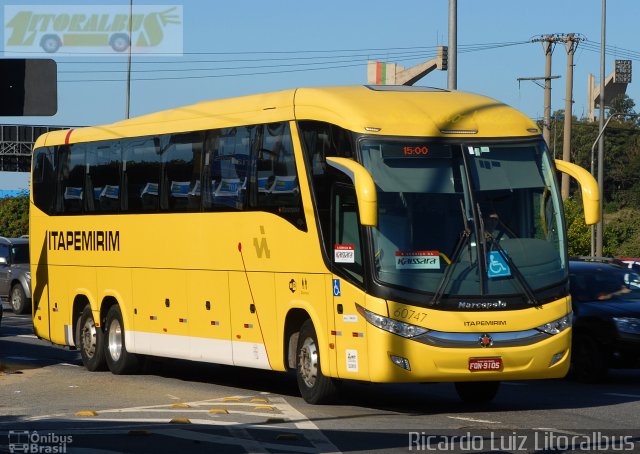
pixel 82 29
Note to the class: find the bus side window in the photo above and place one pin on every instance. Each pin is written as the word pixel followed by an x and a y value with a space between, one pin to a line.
pixel 141 174
pixel 103 177
pixel 44 177
pixel 228 166
pixel 71 176
pixel 277 185
pixel 181 155
pixel 347 247
pixel 321 140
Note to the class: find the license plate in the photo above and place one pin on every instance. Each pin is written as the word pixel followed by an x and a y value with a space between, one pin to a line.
pixel 485 364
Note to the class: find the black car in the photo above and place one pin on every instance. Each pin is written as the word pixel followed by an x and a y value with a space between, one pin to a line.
pixel 606 318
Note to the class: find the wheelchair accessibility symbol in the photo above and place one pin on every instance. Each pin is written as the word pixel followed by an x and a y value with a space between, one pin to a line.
pixel 497 266
pixel 336 287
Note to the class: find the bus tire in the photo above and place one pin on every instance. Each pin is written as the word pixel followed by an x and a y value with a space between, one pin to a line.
pixel 477 392
pixel 90 340
pixel 119 360
pixel 314 387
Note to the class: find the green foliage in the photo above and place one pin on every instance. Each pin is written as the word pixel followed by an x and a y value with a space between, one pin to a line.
pixel 14 216
pixel 622 233
pixel 578 233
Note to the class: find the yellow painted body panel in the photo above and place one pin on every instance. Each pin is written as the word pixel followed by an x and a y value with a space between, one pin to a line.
pixel 232 278
pixel 212 320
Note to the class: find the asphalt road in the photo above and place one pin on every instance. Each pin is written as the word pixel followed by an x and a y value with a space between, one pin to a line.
pixel 50 403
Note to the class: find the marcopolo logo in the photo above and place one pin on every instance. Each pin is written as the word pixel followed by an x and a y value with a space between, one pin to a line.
pixel 90 29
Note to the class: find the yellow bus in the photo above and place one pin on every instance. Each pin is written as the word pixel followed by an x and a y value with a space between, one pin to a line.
pixel 370 233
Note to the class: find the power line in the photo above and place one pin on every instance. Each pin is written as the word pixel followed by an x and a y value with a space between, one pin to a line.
pixel 331 64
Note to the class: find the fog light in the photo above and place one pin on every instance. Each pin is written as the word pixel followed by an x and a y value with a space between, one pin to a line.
pixel 555 358
pixel 400 362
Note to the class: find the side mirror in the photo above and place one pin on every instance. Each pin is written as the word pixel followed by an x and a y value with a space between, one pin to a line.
pixel 589 186
pixel 365 188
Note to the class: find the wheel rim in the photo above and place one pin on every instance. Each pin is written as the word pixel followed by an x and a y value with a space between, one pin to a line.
pixel 115 340
pixel 88 338
pixel 308 361
pixel 16 300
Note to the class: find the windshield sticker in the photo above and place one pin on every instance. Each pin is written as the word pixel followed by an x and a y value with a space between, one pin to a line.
pixel 471 150
pixel 344 253
pixel 484 149
pixel 497 266
pixel 417 260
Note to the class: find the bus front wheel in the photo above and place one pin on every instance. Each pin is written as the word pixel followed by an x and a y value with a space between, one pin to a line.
pixel 119 360
pixel 477 392
pixel 90 340
pixel 315 388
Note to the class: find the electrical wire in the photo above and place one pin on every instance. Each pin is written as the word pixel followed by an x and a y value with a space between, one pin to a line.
pixel 356 60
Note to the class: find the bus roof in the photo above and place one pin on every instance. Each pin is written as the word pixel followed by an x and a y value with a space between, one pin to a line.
pixel 382 109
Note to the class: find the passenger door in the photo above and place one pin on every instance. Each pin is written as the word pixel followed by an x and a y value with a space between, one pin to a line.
pixel 348 279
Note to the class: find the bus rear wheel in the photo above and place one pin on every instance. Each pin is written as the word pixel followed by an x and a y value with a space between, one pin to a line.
pixel 477 392
pixel 90 340
pixel 315 388
pixel 119 360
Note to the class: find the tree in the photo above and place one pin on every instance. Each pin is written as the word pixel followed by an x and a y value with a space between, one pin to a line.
pixel 622 104
pixel 14 216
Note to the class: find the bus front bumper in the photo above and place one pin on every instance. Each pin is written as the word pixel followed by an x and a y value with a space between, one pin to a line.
pixel 396 359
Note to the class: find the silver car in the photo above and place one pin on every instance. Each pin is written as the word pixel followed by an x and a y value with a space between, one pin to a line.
pixel 15 275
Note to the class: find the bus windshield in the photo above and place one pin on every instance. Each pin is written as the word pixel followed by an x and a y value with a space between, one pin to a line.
pixel 465 219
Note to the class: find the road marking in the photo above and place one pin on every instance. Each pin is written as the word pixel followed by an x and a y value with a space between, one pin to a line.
pixel 486 421
pixel 514 383
pixel 27 336
pixel 310 430
pixel 637 396
pixel 291 420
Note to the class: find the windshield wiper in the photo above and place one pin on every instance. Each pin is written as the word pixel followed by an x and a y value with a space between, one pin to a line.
pixel 515 271
pixel 448 272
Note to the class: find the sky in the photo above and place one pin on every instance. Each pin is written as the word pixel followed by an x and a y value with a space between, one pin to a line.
pixel 279 44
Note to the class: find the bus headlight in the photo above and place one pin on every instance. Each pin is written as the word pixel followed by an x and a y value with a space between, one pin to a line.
pixel 388 324
pixel 627 324
pixel 556 326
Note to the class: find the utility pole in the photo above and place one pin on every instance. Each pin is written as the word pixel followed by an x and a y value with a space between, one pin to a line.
pixel 452 71
pixel 549 42
pixel 127 108
pixel 548 51
pixel 570 41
